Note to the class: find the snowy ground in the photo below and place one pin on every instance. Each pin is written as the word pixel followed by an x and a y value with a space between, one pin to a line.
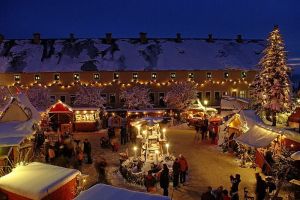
pixel 208 166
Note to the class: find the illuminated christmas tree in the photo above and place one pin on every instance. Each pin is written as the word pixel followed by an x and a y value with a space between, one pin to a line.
pixel 271 89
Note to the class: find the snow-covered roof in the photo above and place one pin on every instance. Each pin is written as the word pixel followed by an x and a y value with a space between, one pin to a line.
pixel 13 133
pixel 36 180
pixel 128 54
pixel 257 137
pixel 25 102
pixel 107 192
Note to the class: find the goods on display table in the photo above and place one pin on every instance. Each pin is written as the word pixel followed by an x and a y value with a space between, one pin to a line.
pixel 153 148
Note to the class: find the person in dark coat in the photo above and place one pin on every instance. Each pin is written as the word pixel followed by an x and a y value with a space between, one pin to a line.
pixel 234 191
pixel 87 149
pixel 261 187
pixel 208 194
pixel 176 171
pixel 164 179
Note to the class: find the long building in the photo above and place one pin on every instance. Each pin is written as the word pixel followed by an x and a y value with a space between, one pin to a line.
pixel 218 66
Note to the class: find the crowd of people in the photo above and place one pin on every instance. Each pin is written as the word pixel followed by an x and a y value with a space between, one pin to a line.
pixel 178 175
pixel 262 189
pixel 206 130
pixel 65 151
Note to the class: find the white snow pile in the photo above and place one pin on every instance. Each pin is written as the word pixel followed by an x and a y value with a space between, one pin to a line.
pixel 107 192
pixel 128 54
pixel 36 180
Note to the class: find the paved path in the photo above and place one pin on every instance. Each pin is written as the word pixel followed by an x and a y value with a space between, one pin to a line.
pixel 207 165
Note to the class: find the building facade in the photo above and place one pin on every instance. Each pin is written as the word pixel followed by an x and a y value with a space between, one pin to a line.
pixel 211 84
pixel 218 66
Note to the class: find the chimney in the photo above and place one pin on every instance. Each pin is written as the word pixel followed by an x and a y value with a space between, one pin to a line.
pixel 239 39
pixel 36 38
pixel 210 38
pixel 72 37
pixel 1 38
pixel 178 37
pixel 108 38
pixel 143 38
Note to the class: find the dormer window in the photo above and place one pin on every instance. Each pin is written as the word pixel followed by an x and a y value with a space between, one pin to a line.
pixel 244 74
pixel 172 75
pixel 96 77
pixel 56 77
pixel 37 77
pixel 135 75
pixel 17 77
pixel 116 76
pixel 76 77
pixel 154 76
pixel 209 75
pixel 226 75
pixel 191 75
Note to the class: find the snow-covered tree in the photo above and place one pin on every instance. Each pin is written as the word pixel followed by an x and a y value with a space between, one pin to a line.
pixel 38 97
pixel 89 97
pixel 271 88
pixel 136 97
pixel 181 95
pixel 4 96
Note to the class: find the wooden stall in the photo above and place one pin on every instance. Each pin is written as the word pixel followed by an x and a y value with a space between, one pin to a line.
pixel 86 119
pixel 40 181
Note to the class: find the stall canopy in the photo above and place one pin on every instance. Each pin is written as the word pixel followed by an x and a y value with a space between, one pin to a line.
pixel 107 192
pixel 60 107
pixel 17 120
pixel 238 122
pixel 295 116
pixel 257 137
pixel 36 180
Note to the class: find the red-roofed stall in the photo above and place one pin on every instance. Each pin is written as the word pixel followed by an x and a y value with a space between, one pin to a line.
pixel 294 119
pixel 61 116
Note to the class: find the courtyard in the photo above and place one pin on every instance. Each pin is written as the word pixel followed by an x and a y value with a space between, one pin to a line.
pixel 208 165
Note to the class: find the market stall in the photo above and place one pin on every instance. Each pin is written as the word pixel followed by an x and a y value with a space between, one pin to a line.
pixel 60 117
pixel 86 119
pixel 236 125
pixel 294 119
pixel 18 123
pixel 40 181
pixel 107 192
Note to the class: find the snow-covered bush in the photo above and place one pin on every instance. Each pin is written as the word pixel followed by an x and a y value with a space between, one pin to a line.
pixel 89 97
pixel 181 95
pixel 136 97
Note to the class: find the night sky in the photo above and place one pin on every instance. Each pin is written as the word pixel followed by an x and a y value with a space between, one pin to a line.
pixel 159 18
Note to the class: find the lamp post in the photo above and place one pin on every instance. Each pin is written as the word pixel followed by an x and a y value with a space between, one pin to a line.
pixel 167 145
pixel 164 133
pixel 205 102
pixel 135 149
pixel 156 156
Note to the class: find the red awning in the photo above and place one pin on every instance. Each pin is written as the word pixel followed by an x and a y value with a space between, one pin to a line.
pixel 295 117
pixel 60 107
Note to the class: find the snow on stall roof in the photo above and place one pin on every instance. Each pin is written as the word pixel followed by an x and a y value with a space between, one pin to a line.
pixel 130 54
pixel 15 129
pixel 107 192
pixel 25 102
pixel 10 141
pixel 257 137
pixel 36 180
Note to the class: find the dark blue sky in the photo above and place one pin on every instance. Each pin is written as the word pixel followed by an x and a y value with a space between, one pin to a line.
pixel 159 18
